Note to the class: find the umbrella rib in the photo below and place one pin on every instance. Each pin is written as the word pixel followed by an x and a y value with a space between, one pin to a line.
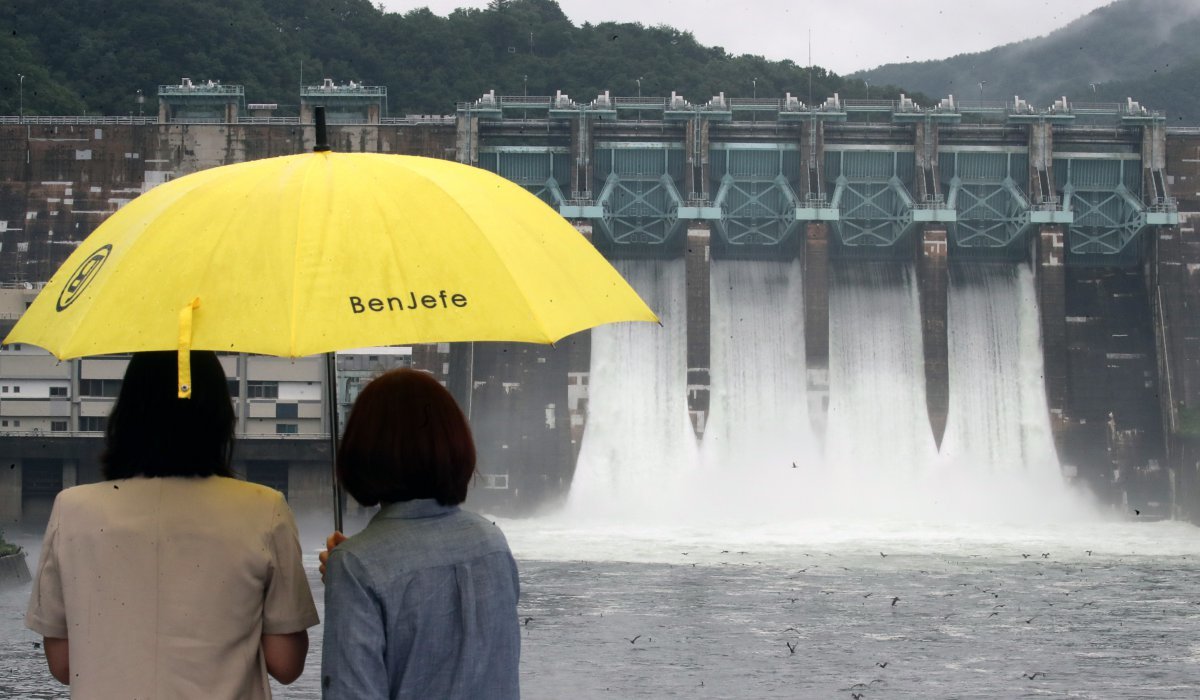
pixel 300 222
pixel 496 253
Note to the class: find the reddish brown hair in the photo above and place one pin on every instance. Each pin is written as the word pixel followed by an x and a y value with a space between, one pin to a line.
pixel 405 439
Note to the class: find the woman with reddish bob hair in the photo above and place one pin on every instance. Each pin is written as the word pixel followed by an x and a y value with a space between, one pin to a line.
pixel 423 602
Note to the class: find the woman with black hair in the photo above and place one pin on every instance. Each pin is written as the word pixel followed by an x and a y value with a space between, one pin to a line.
pixel 423 602
pixel 171 579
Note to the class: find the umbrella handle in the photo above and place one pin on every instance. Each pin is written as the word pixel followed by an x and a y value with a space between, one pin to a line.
pixel 185 348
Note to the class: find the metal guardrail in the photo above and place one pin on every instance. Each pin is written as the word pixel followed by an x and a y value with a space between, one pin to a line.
pixel 100 433
pixel 1097 107
pixel 762 102
pixel 420 119
pixel 205 88
pixel 81 120
pixel 268 120
pixel 893 104
pixel 531 100
pixel 343 90
pixel 984 105
pixel 644 102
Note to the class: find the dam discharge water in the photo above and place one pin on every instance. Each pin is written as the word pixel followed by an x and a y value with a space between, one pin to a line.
pixel 758 423
pixel 759 460
pixel 998 455
pixel 998 419
pixel 878 423
pixel 639 439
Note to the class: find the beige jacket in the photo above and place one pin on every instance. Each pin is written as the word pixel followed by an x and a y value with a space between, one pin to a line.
pixel 164 586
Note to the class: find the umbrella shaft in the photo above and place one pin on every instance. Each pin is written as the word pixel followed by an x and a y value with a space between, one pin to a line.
pixel 331 382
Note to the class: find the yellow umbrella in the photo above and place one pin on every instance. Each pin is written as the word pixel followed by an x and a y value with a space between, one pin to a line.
pixel 304 254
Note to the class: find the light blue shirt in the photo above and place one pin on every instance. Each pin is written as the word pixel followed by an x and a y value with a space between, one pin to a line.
pixel 422 604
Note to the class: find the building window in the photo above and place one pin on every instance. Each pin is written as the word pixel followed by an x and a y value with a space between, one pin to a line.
pixel 4 389
pixel 100 387
pixel 233 388
pixel 286 428
pixel 58 391
pixel 58 426
pixel 16 389
pixel 93 424
pixel 495 481
pixel 287 410
pixel 262 390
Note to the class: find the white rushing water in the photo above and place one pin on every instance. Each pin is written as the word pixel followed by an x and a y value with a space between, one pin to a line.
pixel 998 420
pixel 878 423
pixel 758 423
pixel 759 461
pixel 639 436
pixel 998 440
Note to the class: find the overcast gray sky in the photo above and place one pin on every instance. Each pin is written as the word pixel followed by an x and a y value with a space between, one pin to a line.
pixel 847 35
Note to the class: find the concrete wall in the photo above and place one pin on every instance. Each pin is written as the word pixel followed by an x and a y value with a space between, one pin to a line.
pixel 76 460
pixel 14 570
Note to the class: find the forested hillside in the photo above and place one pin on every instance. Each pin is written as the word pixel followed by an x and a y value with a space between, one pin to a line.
pixel 1144 49
pixel 92 56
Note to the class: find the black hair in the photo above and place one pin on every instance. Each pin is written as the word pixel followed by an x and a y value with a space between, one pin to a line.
pixel 153 432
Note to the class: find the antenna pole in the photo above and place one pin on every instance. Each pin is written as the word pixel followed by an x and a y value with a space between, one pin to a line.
pixel 810 67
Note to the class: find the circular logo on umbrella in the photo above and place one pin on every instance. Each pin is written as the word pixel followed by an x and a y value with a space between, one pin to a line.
pixel 83 276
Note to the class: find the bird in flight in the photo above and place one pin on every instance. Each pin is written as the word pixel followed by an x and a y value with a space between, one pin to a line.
pixel 791 647
pixel 631 641
pixel 895 599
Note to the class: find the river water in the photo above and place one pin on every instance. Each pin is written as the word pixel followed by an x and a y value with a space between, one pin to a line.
pixel 1102 609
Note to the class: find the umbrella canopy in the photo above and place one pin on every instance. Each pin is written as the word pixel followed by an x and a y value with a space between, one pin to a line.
pixel 310 253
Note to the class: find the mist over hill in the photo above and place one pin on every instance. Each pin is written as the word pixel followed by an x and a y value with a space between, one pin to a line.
pixel 1144 49
pixel 84 56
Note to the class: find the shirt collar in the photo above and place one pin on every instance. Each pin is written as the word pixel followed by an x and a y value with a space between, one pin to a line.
pixel 417 508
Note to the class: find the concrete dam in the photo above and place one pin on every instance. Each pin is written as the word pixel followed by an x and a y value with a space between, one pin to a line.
pixel 868 289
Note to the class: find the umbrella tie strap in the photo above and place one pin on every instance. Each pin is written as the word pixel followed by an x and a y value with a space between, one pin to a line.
pixel 185 348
